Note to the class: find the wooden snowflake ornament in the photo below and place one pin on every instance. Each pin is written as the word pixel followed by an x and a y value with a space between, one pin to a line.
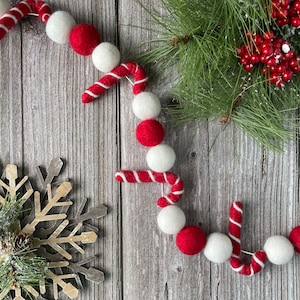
pixel 37 239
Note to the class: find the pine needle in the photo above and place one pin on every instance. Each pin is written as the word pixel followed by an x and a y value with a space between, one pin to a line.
pixel 18 264
pixel 210 82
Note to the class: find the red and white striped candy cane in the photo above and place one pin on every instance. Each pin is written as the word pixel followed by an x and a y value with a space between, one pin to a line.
pixel 21 10
pixel 235 225
pixel 14 15
pixel 44 11
pixel 111 78
pixel 148 176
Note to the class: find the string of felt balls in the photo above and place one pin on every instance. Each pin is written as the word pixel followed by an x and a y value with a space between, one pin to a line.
pixel 190 239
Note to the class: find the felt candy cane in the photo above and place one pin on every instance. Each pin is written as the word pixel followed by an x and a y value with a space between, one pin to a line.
pixel 111 78
pixel 14 15
pixel 21 10
pixel 148 176
pixel 44 11
pixel 235 225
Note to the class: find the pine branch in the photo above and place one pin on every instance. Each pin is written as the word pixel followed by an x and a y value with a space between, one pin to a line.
pixel 209 81
pixel 10 210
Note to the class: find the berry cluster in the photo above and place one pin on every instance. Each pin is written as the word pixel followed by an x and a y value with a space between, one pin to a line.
pixel 286 12
pixel 280 62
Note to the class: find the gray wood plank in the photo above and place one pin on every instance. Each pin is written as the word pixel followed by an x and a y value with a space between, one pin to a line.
pixel 42 117
pixel 218 168
pixel 41 86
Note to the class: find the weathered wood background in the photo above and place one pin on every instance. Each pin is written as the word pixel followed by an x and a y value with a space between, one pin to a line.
pixel 42 117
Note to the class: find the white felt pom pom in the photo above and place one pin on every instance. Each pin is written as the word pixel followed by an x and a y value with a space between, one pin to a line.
pixel 171 219
pixel 105 57
pixel 146 105
pixel 59 26
pixel 218 248
pixel 161 158
pixel 279 249
pixel 4 7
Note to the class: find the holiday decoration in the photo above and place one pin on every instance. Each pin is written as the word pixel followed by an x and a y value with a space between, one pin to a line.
pixel 111 78
pixel 31 251
pixel 234 60
pixel 38 239
pixel 171 220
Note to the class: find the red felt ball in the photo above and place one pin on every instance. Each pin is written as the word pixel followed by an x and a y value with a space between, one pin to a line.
pixel 150 133
pixel 84 38
pixel 191 240
pixel 295 238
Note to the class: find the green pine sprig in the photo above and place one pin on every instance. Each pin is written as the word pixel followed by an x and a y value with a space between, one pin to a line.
pixel 10 211
pixel 19 266
pixel 198 40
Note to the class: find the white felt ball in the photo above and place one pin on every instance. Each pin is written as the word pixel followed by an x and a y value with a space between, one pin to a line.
pixel 218 248
pixel 4 7
pixel 105 57
pixel 146 105
pixel 59 26
pixel 171 219
pixel 160 158
pixel 279 249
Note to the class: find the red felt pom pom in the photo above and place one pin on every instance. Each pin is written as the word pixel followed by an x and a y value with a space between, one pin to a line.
pixel 84 38
pixel 191 240
pixel 150 133
pixel 295 238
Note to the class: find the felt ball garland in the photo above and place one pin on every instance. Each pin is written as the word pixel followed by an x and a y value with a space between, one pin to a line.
pixel 190 239
pixel 84 39
pixel 281 63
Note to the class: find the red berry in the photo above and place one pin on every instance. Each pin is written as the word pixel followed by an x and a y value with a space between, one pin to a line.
pixel 247 56
pixel 257 39
pixel 254 58
pixel 287 75
pixel 273 69
pixel 283 13
pixel 285 3
pixel 266 44
pixel 295 22
pixel 281 67
pixel 268 35
pixel 244 61
pixel 283 21
pixel 271 61
pixel 296 6
pixel 274 13
pixel 248 67
pixel 289 55
pixel 267 51
pixel 293 63
pixel 263 58
pixel 279 83
pixel 274 77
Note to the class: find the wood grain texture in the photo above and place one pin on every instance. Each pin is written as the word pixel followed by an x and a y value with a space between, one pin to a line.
pixel 42 117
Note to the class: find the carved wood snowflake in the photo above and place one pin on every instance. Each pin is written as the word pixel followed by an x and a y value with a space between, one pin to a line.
pixel 47 234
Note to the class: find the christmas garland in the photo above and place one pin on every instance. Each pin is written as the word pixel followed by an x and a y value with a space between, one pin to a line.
pixel 25 263
pixel 190 239
pixel 235 60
